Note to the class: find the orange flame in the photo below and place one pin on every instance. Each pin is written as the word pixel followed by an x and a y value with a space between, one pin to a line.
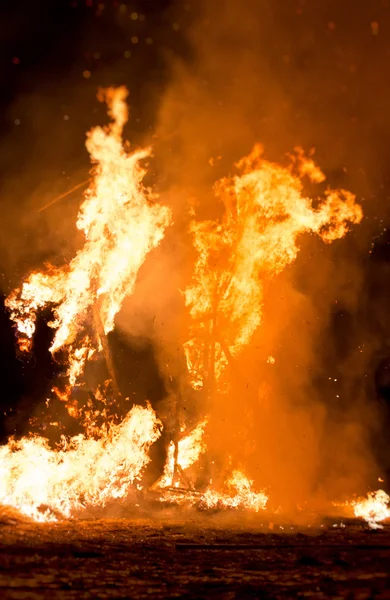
pixel 373 509
pixel 121 222
pixel 265 213
pixel 46 484
pixel 190 447
pixel 240 495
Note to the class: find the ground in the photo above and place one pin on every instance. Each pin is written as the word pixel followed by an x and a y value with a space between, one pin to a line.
pixel 152 557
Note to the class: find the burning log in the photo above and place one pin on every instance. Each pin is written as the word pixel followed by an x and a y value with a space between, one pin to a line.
pixel 106 350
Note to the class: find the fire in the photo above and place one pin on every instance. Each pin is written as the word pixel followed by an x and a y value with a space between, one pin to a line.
pixel 47 484
pixel 265 212
pixel 189 449
pixel 238 488
pixel 121 222
pixel 240 495
pixel 373 509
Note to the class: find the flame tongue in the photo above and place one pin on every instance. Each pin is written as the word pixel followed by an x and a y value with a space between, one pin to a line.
pixel 121 223
pixel 265 212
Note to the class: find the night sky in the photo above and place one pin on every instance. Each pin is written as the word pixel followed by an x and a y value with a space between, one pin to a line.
pixel 325 65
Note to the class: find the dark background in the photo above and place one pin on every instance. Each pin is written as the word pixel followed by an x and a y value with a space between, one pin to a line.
pixel 331 60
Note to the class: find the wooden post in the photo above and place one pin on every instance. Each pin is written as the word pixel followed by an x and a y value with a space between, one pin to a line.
pixel 106 351
pixel 176 435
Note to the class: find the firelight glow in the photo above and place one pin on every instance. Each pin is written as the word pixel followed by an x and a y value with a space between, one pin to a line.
pixel 265 213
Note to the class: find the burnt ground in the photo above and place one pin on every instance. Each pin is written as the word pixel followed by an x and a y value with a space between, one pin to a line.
pixel 153 558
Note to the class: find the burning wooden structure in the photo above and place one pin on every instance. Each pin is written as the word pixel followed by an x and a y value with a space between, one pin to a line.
pixel 264 212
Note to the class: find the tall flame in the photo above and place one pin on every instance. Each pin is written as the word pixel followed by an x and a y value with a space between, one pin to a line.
pixel 121 223
pixel 265 212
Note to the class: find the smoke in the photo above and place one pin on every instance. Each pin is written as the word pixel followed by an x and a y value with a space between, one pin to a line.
pixel 281 74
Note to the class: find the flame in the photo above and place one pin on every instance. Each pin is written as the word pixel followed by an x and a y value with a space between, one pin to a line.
pixel 47 484
pixel 240 495
pixel 121 222
pixel 265 212
pixel 189 449
pixel 239 488
pixel 373 509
